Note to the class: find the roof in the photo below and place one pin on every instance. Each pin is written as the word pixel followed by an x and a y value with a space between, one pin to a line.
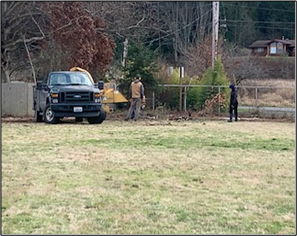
pixel 264 43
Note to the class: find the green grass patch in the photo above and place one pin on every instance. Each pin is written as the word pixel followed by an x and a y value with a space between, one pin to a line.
pixel 148 178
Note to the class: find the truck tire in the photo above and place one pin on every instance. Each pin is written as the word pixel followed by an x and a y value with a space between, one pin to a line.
pixel 37 116
pixel 49 116
pixel 78 119
pixel 93 120
pixel 99 119
pixel 102 115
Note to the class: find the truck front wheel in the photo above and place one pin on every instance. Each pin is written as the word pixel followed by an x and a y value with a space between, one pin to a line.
pixel 102 116
pixel 49 116
pixel 79 119
pixel 99 119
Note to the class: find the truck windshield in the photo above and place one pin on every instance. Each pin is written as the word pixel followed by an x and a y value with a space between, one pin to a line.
pixel 71 78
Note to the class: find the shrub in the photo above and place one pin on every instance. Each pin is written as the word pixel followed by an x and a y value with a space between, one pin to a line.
pixel 197 97
pixel 213 76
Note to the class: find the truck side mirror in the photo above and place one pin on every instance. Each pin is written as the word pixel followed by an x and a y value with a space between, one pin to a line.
pixel 101 85
pixel 39 84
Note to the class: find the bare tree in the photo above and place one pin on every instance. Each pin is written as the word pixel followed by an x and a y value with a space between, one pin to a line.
pixel 199 57
pixel 123 19
pixel 175 25
pixel 129 23
pixel 239 68
pixel 187 22
pixel 18 19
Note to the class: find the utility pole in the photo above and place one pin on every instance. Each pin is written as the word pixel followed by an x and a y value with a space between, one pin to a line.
pixel 125 52
pixel 215 31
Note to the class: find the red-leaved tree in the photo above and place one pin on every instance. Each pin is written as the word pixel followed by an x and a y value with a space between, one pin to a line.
pixel 80 35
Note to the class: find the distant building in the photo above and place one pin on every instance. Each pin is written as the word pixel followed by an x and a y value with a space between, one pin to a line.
pixel 275 47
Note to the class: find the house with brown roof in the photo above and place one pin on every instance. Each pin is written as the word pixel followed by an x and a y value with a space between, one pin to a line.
pixel 275 47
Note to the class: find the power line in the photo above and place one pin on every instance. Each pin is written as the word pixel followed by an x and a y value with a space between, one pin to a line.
pixel 265 27
pixel 174 31
pixel 234 21
pixel 261 8
pixel 262 22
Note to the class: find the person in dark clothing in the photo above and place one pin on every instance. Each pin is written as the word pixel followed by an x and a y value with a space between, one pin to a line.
pixel 136 93
pixel 233 104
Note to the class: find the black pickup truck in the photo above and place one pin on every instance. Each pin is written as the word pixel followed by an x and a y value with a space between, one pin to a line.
pixel 68 94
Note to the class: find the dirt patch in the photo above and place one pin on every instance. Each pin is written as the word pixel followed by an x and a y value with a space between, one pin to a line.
pixel 17 119
pixel 151 115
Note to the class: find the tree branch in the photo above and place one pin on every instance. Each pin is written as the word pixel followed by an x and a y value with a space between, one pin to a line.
pixel 38 26
pixel 11 46
pixel 137 24
pixel 29 57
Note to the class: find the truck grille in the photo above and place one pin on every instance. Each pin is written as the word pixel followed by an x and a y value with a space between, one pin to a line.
pixel 77 97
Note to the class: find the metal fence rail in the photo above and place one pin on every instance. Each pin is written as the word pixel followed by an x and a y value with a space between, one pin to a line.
pixel 17 98
pixel 251 98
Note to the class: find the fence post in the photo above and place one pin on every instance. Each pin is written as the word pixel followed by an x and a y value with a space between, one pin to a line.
pixel 153 101
pixel 256 97
pixel 219 100
pixel 185 98
pixel 181 75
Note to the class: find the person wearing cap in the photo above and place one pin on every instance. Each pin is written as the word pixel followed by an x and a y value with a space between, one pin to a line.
pixel 233 103
pixel 136 93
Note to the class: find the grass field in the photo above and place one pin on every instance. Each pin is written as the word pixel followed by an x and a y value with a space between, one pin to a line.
pixel 161 177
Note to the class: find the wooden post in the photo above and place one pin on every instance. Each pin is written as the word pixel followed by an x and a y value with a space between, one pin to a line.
pixel 181 75
pixel 153 101
pixel 219 101
pixel 185 98
pixel 256 97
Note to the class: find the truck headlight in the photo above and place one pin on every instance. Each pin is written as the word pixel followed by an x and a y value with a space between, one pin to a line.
pixel 55 97
pixel 97 97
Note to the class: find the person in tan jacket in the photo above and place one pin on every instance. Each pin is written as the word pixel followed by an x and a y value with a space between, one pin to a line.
pixel 136 93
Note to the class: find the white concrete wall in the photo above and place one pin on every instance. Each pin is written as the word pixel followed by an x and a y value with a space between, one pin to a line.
pixel 17 99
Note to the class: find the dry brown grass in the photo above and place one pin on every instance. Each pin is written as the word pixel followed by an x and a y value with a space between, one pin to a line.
pixel 277 92
pixel 269 83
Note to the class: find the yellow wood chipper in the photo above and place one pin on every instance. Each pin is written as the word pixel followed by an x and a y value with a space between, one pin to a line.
pixel 110 96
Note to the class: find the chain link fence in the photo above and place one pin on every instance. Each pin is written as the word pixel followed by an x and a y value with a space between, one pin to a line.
pixel 253 100
pixel 17 99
